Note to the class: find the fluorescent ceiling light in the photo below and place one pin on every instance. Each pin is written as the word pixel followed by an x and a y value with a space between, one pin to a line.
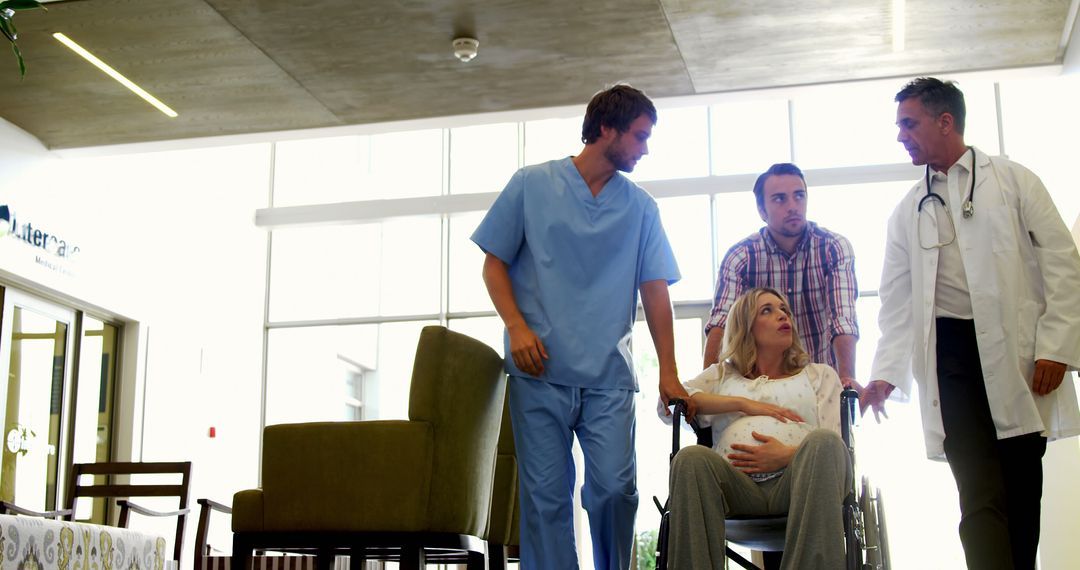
pixel 898 25
pixel 114 74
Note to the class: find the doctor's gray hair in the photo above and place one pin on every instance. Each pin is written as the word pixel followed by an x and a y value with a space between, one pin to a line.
pixel 937 97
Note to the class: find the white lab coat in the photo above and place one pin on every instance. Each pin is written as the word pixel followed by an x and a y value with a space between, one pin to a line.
pixel 1023 273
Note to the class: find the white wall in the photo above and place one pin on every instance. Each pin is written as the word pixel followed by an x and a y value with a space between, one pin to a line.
pixel 1061 496
pixel 168 240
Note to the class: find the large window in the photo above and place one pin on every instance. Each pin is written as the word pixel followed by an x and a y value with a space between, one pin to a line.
pixel 748 136
pixel 678 147
pixel 347 302
pixel 387 268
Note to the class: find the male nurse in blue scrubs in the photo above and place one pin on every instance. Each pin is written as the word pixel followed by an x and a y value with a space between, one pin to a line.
pixel 569 243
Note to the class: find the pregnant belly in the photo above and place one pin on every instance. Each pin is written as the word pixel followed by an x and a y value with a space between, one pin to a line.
pixel 740 431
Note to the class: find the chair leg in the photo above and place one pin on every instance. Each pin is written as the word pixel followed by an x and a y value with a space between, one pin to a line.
pixel 772 559
pixel 477 561
pixel 324 560
pixel 496 557
pixel 241 553
pixel 412 558
pixel 357 559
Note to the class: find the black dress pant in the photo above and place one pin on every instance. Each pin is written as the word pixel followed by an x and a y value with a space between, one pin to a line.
pixel 1000 481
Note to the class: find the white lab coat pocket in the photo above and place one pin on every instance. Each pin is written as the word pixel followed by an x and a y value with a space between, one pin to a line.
pixel 1004 224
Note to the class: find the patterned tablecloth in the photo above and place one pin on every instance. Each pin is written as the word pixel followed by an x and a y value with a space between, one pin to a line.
pixel 30 543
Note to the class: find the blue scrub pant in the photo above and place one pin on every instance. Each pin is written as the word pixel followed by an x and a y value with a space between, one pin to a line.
pixel 545 418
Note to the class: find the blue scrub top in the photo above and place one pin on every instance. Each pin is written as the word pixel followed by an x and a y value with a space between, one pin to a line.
pixel 575 263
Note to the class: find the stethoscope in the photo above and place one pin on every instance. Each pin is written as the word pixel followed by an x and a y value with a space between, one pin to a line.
pixel 968 207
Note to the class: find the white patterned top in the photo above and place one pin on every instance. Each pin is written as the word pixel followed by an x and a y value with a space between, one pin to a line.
pixel 813 393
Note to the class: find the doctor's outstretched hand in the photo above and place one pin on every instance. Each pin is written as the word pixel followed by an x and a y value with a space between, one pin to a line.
pixel 873 396
pixel 1048 376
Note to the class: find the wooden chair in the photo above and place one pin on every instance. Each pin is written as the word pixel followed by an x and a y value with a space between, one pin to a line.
pixel 203 550
pixel 111 488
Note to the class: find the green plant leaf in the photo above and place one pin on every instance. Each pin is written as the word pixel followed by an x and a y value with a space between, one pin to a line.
pixel 22 5
pixel 18 56
pixel 7 27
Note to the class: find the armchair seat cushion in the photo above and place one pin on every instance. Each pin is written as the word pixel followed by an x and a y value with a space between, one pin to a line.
pixel 321 476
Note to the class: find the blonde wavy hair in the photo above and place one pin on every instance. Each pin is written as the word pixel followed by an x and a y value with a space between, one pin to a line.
pixel 740 350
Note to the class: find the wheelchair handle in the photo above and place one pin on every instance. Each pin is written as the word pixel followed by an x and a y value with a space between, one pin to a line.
pixel 850 398
pixel 680 411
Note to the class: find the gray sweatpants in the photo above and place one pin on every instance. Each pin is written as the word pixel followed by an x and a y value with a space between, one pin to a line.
pixel 705 488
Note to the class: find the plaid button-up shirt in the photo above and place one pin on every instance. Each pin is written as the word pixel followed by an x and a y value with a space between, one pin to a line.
pixel 818 280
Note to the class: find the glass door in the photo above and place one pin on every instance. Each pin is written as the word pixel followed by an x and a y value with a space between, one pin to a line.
pixel 35 351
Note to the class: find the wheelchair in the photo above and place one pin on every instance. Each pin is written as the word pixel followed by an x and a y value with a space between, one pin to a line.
pixel 865 534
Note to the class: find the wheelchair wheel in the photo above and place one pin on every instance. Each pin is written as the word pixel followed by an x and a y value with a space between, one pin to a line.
pixel 883 535
pixel 875 541
pixel 662 540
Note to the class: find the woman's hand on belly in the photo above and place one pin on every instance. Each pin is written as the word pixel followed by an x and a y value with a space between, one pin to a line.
pixel 771 455
pixel 756 408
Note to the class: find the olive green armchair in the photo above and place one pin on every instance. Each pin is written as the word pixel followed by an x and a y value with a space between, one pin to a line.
pixel 389 489
pixel 503 531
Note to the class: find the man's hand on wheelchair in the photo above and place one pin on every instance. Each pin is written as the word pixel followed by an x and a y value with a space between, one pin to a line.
pixel 768 457
pixel 672 388
pixel 873 396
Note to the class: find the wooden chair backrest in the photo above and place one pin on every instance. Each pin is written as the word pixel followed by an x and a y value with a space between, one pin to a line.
pixel 111 489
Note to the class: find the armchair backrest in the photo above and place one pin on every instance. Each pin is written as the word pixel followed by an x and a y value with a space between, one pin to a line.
pixel 459 387
pixel 502 527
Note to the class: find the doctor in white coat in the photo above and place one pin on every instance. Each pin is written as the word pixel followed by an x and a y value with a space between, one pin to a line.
pixel 980 302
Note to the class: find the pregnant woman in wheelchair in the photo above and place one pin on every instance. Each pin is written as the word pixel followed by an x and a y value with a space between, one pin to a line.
pixel 775 420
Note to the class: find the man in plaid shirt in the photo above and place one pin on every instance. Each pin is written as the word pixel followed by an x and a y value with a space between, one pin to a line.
pixel 813 267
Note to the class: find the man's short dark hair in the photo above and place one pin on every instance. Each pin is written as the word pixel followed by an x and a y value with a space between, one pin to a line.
pixel 778 169
pixel 616 108
pixel 937 97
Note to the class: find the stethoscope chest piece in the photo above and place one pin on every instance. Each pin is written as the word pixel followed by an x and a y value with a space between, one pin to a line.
pixel 968 207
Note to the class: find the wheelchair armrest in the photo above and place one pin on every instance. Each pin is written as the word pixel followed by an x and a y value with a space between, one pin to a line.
pixel 6 508
pixel 849 400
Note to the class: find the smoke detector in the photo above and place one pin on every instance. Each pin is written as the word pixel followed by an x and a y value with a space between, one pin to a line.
pixel 465 48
